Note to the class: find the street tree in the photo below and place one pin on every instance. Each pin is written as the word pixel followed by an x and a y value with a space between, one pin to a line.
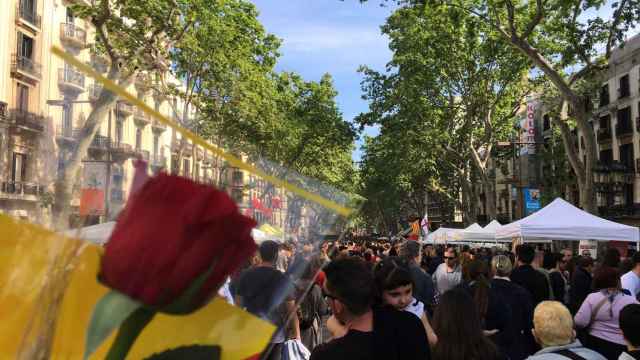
pixel 460 93
pixel 134 36
pixel 570 44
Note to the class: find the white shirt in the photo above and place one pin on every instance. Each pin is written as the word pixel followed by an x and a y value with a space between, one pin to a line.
pixel 631 282
pixel 416 308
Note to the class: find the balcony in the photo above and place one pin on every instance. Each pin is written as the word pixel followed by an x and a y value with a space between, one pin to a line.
pixel 94 91
pixel 184 145
pixel 624 129
pixel 73 35
pixel 20 190
pixel 143 154
pixel 141 118
pixel 99 143
pixel 28 15
pixel 142 83
pixel 26 68
pixel 100 62
pixel 158 161
pixel 123 108
pixel 70 80
pixel 122 150
pixel 67 134
pixel 604 135
pixel 158 126
pixel 24 120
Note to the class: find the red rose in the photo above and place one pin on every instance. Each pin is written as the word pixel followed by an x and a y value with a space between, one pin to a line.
pixel 171 232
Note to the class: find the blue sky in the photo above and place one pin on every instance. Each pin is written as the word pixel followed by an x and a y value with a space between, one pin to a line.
pixel 333 36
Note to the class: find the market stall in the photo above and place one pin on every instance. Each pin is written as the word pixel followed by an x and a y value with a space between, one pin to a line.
pixel 562 221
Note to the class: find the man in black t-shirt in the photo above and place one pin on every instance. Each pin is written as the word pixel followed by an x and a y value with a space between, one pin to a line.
pixel 371 334
pixel 268 293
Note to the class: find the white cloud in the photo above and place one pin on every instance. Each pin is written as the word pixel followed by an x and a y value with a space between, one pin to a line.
pixel 317 38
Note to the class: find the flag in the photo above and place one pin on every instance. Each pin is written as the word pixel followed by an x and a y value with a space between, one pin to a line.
pixel 425 225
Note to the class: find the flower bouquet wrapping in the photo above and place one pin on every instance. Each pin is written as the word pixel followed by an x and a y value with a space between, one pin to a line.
pixel 173 246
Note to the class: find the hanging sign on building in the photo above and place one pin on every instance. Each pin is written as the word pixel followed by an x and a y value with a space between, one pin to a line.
pixel 528 130
pixel 94 185
pixel 531 200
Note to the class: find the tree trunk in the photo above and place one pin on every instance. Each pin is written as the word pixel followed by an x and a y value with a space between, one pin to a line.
pixel 64 185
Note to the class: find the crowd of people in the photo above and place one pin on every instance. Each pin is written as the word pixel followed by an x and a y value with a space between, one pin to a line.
pixel 401 300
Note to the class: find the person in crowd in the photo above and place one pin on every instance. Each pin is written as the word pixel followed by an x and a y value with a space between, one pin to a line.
pixel 631 280
pixel 423 289
pixel 285 255
pixel 630 326
pixel 394 287
pixel 516 340
pixel 543 262
pixel 460 336
pixel 580 282
pixel 527 277
pixel 554 262
pixel 553 330
pixel 259 290
pixel 449 274
pixel 361 332
pixel 313 306
pixel 437 258
pixel 599 314
pixel 493 312
pixel 611 258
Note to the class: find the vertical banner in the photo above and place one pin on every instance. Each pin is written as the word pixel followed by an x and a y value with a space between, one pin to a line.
pixel 531 200
pixel 528 130
pixel 94 186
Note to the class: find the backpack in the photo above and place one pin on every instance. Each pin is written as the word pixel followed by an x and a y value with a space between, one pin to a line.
pixel 308 309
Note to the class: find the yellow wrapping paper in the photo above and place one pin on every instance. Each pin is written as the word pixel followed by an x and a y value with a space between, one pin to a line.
pixel 28 265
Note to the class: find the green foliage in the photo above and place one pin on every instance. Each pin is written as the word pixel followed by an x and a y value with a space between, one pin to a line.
pixel 451 92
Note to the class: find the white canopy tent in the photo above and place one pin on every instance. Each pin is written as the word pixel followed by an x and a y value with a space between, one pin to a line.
pixel 99 234
pixel 444 235
pixel 562 221
pixel 482 235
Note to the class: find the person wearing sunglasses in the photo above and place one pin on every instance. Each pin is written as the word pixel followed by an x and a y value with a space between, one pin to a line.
pixel 362 332
pixel 449 274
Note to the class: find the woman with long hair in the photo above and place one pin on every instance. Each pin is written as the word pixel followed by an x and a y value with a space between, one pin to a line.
pixel 494 313
pixel 599 313
pixel 460 335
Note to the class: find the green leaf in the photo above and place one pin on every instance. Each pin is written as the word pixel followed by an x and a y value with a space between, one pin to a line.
pixel 109 313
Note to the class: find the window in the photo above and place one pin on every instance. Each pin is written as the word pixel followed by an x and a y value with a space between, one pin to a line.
pixel 19 168
pixel 138 139
pixel 605 121
pixel 197 178
pixel 23 97
pixel 186 167
pixel 624 117
pixel 67 118
pixel 119 131
pixel 237 195
pixel 546 122
pixel 626 156
pixel 624 86
pixel 606 156
pixel 156 145
pixel 25 46
pixel 71 19
pixel 604 95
